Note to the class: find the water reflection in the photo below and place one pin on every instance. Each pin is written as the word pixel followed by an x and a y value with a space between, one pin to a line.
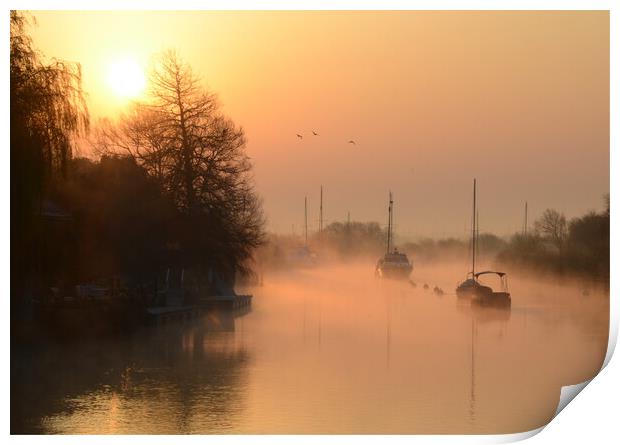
pixel 327 350
pixel 157 381
pixel 479 315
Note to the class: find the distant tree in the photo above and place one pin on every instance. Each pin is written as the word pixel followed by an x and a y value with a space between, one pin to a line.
pixel 524 250
pixel 354 238
pixel 588 242
pixel 489 243
pixel 579 246
pixel 197 154
pixel 552 226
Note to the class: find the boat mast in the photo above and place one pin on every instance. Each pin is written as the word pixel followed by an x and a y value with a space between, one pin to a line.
pixel 389 240
pixel 525 221
pixel 321 214
pixel 473 236
pixel 306 219
pixel 477 230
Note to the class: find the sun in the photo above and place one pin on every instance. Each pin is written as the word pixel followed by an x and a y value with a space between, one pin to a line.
pixel 126 78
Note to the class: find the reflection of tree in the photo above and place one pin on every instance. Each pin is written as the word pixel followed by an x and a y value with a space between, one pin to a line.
pixel 203 378
pixel 177 373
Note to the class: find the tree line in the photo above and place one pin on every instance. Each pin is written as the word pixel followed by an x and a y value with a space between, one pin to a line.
pixel 577 246
pixel 170 186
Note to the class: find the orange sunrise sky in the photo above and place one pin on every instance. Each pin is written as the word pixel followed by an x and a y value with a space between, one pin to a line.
pixel 517 99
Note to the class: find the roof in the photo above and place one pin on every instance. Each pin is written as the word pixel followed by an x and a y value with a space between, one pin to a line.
pixel 501 274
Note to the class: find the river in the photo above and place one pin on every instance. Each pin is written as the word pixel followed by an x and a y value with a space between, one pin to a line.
pixel 326 350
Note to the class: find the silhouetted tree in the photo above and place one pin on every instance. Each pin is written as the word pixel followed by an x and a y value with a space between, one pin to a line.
pixel 122 221
pixel 198 156
pixel 48 112
pixel 137 134
pixel 47 107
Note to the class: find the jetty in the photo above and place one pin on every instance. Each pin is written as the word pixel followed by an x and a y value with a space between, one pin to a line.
pixel 164 314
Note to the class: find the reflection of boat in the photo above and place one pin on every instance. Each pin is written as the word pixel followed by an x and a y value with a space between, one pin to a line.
pixel 394 264
pixel 484 315
pixel 471 287
pixel 480 316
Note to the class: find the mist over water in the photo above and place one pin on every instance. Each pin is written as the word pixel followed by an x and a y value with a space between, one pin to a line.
pixel 328 350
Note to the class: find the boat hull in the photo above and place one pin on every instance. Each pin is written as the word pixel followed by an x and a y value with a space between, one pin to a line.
pixel 394 273
pixel 493 299
pixel 472 289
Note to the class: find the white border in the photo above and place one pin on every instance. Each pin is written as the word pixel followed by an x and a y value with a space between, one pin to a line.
pixel 592 418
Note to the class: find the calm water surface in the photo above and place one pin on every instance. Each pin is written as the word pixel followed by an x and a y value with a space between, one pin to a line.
pixel 325 351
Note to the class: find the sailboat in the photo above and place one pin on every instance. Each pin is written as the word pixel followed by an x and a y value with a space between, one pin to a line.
pixel 304 256
pixel 393 264
pixel 471 287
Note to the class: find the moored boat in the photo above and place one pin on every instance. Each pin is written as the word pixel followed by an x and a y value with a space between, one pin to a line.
pixel 393 264
pixel 472 288
pixel 490 297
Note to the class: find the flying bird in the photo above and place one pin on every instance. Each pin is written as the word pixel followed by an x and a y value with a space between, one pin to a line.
pixel 352 142
pixel 300 136
pixel 314 133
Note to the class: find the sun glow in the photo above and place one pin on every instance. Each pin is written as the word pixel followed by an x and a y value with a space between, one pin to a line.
pixel 126 78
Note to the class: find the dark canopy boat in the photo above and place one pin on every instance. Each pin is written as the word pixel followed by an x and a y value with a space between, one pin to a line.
pixel 393 264
pixel 488 297
pixel 472 288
